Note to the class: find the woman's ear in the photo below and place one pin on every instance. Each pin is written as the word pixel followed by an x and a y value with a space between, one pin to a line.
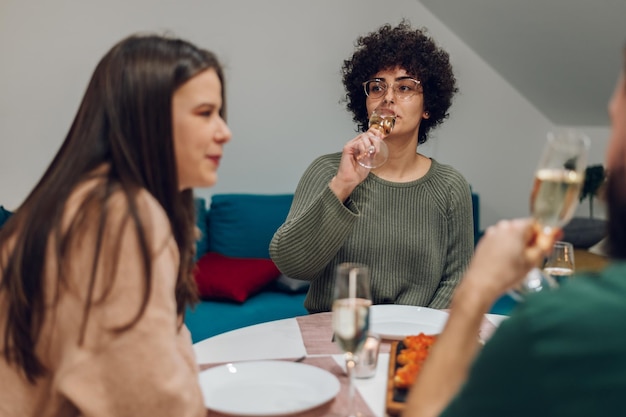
pixel 426 115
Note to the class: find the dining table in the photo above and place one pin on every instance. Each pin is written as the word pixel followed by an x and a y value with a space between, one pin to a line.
pixel 309 340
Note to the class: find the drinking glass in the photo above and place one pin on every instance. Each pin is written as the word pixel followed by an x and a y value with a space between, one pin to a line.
pixel 560 263
pixel 554 196
pixel 375 153
pixel 350 317
pixel 368 357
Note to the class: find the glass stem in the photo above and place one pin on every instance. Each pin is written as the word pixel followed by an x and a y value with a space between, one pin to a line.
pixel 350 364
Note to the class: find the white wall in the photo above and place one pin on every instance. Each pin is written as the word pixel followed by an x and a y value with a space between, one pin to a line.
pixel 282 60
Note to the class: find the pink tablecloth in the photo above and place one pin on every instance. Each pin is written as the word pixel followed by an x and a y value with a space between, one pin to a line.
pixel 317 334
pixel 316 331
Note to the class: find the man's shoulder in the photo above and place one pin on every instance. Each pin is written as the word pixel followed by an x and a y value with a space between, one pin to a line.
pixel 587 303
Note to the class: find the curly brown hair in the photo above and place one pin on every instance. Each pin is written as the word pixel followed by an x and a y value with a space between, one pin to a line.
pixel 411 49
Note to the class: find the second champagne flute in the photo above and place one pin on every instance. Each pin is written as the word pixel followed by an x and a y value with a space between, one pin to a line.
pixel 351 317
pixel 560 263
pixel 554 196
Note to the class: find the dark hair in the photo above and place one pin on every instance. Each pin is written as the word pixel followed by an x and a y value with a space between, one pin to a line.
pixel 124 122
pixel 415 52
pixel 616 195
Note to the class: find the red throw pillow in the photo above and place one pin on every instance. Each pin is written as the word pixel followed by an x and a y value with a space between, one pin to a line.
pixel 222 277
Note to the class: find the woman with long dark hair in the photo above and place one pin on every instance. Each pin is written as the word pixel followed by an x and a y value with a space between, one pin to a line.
pixel 96 263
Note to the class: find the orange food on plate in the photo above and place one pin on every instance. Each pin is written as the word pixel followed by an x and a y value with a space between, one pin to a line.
pixel 411 359
pixel 405 375
pixel 420 342
pixel 408 356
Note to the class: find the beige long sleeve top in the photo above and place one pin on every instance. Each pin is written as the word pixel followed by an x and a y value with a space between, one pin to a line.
pixel 147 370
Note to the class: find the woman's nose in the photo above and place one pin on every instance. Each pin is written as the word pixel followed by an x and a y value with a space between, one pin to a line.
pixel 224 134
pixel 389 95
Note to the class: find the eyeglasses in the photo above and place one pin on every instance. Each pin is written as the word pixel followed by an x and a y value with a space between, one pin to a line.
pixel 404 88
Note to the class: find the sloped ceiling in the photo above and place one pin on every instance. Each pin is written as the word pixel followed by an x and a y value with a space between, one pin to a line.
pixel 564 56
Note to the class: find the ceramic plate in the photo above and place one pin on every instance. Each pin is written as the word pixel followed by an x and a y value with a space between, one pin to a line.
pixel 263 388
pixel 393 322
pixel 496 319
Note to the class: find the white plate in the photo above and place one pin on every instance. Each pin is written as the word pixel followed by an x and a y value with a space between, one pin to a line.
pixel 262 388
pixel 393 321
pixel 496 319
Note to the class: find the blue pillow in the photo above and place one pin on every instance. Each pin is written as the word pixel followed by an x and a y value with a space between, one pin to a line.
pixel 476 215
pixel 202 244
pixel 242 225
pixel 503 305
pixel 4 215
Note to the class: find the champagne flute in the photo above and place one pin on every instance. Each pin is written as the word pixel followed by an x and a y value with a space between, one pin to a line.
pixel 554 197
pixel 375 153
pixel 560 263
pixel 352 300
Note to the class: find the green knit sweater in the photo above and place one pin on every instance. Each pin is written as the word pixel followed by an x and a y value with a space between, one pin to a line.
pixel 561 354
pixel 416 237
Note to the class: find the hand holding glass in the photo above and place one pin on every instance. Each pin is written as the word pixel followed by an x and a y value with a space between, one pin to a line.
pixel 375 153
pixel 350 320
pixel 554 196
pixel 384 119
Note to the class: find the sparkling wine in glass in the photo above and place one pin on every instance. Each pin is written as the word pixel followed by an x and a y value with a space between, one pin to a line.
pixel 554 197
pixel 373 154
pixel 560 263
pixel 350 320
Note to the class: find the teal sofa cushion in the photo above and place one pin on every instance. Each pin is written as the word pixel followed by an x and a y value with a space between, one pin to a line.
pixel 202 244
pixel 242 225
pixel 476 216
pixel 4 215
pixel 210 318
pixel 503 305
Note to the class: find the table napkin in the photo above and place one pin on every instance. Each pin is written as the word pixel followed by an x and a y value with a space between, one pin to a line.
pixel 317 334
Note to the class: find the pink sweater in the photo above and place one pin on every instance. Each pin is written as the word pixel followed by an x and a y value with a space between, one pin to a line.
pixel 148 370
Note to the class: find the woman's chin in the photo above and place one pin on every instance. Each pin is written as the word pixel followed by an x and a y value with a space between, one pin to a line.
pixel 209 180
pixel 205 181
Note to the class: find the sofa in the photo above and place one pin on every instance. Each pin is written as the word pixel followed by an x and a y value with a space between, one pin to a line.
pixel 4 215
pixel 238 283
pixel 240 227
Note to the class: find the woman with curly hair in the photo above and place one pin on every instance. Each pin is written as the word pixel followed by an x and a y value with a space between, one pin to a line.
pixel 96 264
pixel 410 219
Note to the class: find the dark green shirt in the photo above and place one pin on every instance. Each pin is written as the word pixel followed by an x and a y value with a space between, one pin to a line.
pixel 561 353
pixel 416 237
